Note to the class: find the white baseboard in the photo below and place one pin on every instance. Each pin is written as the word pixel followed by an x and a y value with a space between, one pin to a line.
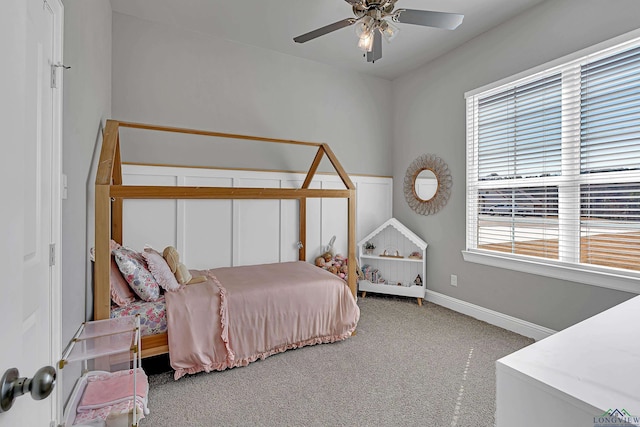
pixel 501 320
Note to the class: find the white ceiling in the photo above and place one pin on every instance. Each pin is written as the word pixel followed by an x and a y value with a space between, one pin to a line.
pixel 273 25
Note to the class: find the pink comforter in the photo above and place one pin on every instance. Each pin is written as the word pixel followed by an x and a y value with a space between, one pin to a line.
pixel 242 314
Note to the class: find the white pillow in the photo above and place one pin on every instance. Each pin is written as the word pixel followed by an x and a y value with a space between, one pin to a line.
pixel 160 269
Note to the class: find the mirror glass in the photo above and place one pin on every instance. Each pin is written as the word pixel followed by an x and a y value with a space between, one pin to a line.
pixel 426 185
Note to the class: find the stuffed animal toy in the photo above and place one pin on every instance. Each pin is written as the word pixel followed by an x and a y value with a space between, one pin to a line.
pixel 337 264
pixel 329 248
pixel 183 276
pixel 343 270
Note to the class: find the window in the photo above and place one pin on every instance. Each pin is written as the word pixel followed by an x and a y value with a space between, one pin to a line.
pixel 553 170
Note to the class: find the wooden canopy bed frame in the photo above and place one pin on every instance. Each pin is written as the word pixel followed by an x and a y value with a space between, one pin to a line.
pixel 110 193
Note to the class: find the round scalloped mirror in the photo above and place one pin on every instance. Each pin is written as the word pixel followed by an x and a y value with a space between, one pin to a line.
pixel 427 184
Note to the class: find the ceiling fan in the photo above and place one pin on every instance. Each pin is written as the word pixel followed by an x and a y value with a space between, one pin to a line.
pixel 372 24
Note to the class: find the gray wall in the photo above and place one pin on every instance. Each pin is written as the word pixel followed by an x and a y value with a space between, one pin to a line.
pixel 87 103
pixel 429 117
pixel 172 76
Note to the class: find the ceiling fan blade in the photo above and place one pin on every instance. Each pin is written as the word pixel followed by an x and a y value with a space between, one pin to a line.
pixel 324 30
pixel 447 21
pixel 376 51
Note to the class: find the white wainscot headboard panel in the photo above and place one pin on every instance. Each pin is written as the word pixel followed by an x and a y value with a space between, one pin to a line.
pixel 220 233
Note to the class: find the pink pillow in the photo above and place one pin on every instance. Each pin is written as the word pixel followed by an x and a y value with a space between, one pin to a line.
pixel 160 269
pixel 133 268
pixel 121 293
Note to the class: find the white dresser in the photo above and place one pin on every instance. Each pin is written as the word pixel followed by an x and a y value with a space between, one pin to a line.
pixel 583 376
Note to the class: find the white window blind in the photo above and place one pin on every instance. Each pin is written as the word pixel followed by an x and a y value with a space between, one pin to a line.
pixel 553 164
pixel 610 156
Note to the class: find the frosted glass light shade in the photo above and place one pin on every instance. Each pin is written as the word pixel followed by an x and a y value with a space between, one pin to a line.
pixel 365 42
pixel 389 31
pixel 364 26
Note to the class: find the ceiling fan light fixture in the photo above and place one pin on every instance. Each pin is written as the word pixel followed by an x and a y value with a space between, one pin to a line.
pixel 365 42
pixel 364 26
pixel 388 30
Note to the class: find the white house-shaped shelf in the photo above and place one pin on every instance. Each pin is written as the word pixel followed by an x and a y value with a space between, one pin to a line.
pixel 397 264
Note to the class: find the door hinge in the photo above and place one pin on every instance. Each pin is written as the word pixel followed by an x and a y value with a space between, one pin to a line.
pixel 53 76
pixel 52 254
pixel 54 73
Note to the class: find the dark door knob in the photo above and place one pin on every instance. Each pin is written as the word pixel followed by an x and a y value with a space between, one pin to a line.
pixel 12 386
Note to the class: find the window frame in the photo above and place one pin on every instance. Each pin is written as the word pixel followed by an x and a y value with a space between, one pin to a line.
pixel 589 274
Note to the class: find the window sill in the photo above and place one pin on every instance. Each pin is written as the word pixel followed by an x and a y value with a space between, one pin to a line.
pixel 594 276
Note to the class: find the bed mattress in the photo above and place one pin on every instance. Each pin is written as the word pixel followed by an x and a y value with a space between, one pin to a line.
pixel 153 317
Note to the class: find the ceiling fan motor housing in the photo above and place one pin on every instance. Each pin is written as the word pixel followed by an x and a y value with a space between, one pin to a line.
pixel 373 8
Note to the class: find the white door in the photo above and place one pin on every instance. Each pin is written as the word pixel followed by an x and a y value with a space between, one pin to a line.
pixel 30 170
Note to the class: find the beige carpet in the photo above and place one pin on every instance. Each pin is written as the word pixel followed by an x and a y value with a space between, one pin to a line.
pixel 407 366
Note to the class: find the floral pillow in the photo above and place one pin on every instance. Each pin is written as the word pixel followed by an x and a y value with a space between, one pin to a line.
pixel 160 269
pixel 133 267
